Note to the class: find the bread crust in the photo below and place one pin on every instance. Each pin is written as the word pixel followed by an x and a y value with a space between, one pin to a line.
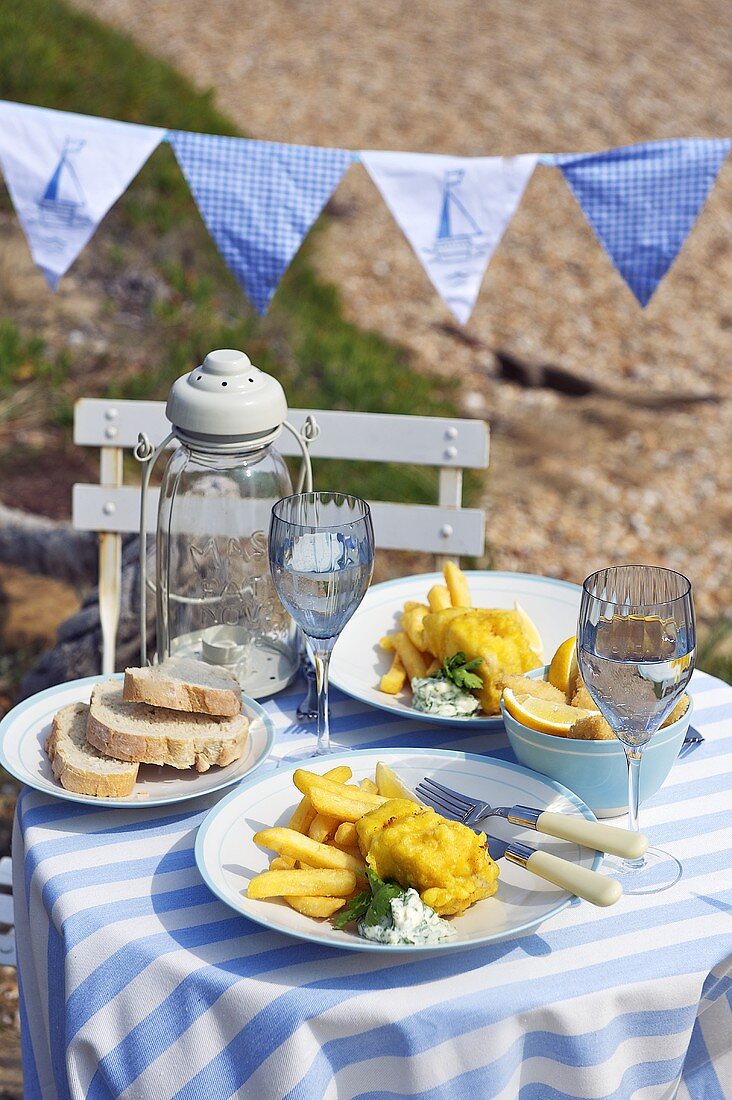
pixel 183 749
pixel 180 696
pixel 77 779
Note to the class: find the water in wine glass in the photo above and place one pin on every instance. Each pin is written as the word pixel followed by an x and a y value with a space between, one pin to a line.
pixel 635 647
pixel 320 578
pixel 321 554
pixel 636 673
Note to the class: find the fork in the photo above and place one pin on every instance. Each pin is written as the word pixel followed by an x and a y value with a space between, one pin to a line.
pixel 692 741
pixel 603 838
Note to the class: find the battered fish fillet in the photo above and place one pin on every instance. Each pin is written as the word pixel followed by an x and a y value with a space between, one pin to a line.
pixel 496 636
pixel 678 712
pixel 445 862
pixel 582 697
pixel 540 689
pixel 592 728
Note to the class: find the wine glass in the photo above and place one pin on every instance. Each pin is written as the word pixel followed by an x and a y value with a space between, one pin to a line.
pixel 321 556
pixel 636 643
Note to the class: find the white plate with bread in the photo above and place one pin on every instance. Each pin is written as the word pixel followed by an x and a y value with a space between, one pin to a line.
pixel 145 738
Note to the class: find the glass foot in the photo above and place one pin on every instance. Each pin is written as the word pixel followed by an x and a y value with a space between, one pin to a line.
pixel 309 753
pixel 656 871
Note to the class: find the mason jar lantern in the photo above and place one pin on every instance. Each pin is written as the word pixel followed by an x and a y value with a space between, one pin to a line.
pixel 215 599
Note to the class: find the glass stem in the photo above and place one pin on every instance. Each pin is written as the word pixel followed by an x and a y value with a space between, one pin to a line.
pixel 321 658
pixel 633 757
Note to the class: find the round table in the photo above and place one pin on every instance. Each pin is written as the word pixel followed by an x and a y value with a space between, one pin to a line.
pixel 137 982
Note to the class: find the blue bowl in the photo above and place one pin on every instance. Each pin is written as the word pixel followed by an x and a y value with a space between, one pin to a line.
pixel 596 770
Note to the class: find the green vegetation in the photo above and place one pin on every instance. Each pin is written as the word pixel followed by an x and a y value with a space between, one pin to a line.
pixel 714 654
pixel 54 56
pixel 30 378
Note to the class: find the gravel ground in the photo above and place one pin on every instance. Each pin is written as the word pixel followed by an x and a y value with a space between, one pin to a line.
pixel 574 482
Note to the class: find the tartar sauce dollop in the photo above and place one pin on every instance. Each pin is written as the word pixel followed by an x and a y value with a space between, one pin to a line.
pixel 433 695
pixel 411 921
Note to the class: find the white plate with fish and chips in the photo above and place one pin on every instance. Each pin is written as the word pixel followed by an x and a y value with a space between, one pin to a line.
pixel 233 841
pixel 359 661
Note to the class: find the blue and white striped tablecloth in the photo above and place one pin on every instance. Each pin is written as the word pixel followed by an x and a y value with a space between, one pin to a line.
pixel 136 982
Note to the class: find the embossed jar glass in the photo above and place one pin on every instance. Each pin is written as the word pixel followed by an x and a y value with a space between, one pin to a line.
pixel 215 599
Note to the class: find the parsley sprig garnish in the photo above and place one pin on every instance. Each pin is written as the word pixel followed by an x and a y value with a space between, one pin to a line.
pixel 371 905
pixel 458 669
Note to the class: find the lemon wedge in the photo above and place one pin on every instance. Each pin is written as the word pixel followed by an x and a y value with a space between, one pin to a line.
pixel 391 786
pixel 563 669
pixel 532 634
pixel 542 714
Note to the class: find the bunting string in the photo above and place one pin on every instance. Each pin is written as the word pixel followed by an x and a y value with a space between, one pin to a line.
pixel 260 199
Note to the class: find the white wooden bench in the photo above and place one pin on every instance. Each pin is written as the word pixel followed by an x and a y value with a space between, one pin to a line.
pixel 445 529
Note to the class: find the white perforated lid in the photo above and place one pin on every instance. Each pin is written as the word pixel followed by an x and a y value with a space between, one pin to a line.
pixel 226 400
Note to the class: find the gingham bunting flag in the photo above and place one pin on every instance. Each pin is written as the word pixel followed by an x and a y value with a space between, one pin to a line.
pixel 453 211
pixel 64 172
pixel 258 199
pixel 642 200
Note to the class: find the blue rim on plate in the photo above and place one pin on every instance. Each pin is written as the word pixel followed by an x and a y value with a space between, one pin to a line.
pixel 57 791
pixel 362 944
pixel 494 721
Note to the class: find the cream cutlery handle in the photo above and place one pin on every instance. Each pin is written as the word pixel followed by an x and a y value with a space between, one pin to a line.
pixel 577 880
pixel 603 838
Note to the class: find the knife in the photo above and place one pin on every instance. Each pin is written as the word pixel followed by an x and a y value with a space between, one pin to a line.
pixel 586 884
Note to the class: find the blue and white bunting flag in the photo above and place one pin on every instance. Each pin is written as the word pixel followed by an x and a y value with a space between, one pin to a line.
pixel 258 199
pixel 453 211
pixel 642 200
pixel 64 172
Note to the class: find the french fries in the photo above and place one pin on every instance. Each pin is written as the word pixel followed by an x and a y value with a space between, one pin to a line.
pixel 322 827
pixel 412 625
pixel 320 789
pixel 303 882
pixel 341 806
pixel 438 597
pixel 295 846
pixel 303 816
pixel 393 681
pixel 316 907
pixel 346 835
pixel 281 863
pixel 458 585
pixel 317 870
pixel 412 647
pixel 412 659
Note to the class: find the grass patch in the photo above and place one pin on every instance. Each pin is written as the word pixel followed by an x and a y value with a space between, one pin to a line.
pixel 714 654
pixel 54 56
pixel 31 379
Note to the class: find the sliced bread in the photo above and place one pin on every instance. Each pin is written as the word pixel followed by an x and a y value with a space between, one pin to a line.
pixel 183 683
pixel 154 735
pixel 79 766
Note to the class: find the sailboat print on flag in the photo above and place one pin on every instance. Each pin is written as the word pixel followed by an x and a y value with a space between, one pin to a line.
pixel 459 237
pixel 453 211
pixel 63 200
pixel 64 172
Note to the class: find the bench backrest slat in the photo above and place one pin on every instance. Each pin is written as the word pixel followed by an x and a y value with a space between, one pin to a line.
pixel 430 528
pixel 374 437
